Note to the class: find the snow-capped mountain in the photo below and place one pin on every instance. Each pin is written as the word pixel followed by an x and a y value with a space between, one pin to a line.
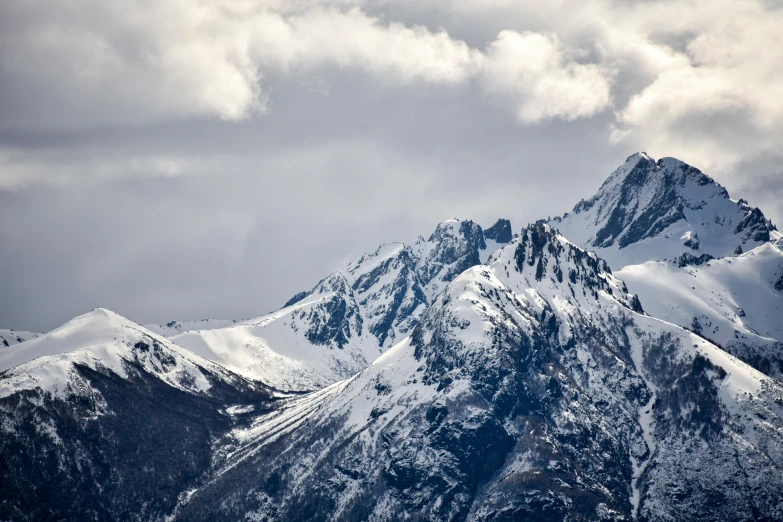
pixel 473 375
pixel 350 317
pixel 101 341
pixel 531 389
pixel 648 210
pixel 101 419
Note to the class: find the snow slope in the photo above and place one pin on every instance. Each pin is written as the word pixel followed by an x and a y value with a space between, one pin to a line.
pixel 737 302
pixel 648 210
pixel 305 346
pixel 177 327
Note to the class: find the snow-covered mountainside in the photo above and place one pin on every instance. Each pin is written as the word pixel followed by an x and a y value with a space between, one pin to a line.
pixel 101 419
pixel 735 302
pixel 352 316
pixel 531 389
pixel 12 337
pixel 304 346
pixel 648 210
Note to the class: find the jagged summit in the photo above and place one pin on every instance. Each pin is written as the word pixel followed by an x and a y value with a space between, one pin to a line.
pixel 700 259
pixel 648 210
pixel 543 260
pixel 393 284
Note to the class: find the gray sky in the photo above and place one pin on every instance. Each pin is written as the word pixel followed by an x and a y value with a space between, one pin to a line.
pixel 190 159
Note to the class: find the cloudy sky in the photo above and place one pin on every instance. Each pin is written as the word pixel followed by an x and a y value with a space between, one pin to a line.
pixel 209 158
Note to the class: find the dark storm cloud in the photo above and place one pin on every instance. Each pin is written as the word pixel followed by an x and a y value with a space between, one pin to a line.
pixel 175 202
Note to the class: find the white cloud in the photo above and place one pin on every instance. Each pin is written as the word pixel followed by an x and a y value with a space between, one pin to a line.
pixel 117 62
pixel 128 62
pixel 531 69
pixel 354 39
pixel 719 102
pixel 700 80
pixel 690 78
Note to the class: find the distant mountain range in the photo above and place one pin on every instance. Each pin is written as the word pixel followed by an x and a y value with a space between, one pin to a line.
pixel 478 374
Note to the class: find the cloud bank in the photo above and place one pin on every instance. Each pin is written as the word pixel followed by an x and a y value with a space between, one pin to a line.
pixel 667 70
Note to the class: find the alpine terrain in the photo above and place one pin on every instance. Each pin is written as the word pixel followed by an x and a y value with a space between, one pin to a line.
pixel 351 316
pixel 621 362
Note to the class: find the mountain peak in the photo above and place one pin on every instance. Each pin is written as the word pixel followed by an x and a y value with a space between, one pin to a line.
pixel 637 157
pixel 648 210
pixel 353 315
pixel 634 162
pixel 456 228
pixel 102 315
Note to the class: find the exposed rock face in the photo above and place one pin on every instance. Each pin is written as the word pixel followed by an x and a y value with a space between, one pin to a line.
pixel 686 259
pixel 500 232
pixel 296 298
pixel 336 318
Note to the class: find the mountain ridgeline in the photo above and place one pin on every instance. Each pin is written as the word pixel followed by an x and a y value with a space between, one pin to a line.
pixel 351 316
pixel 396 282
pixel 476 374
